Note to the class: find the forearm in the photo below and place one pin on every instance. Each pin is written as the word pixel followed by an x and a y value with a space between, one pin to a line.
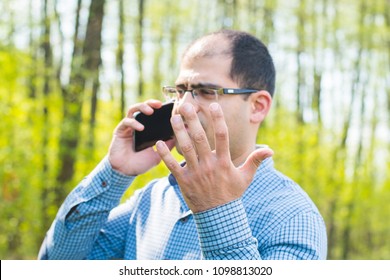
pixel 225 234
pixel 83 214
pixel 301 237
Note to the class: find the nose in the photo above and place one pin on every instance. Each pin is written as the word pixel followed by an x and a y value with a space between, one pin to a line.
pixel 187 98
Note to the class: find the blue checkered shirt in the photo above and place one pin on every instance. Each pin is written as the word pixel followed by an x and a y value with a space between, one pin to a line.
pixel 274 219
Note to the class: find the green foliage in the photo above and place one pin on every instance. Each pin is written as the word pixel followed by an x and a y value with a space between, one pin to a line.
pixel 304 153
pixel 20 218
pixel 329 126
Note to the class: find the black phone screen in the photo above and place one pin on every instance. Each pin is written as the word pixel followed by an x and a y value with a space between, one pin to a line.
pixel 157 127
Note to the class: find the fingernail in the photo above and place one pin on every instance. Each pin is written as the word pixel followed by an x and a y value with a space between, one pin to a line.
pixel 159 144
pixel 214 106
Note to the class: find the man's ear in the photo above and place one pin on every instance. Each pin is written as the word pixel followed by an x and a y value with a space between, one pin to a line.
pixel 261 102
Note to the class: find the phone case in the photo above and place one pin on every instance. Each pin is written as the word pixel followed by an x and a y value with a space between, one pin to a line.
pixel 157 127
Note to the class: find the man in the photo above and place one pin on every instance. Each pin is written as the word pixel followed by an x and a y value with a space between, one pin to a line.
pixel 225 201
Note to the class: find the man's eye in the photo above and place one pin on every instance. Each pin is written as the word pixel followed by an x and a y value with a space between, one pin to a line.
pixel 180 91
pixel 205 92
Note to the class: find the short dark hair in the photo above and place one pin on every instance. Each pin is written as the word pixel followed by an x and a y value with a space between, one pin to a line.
pixel 252 65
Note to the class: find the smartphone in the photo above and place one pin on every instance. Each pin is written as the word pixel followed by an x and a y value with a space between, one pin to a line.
pixel 157 127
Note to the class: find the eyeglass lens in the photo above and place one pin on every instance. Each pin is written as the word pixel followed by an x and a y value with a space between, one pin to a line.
pixel 200 95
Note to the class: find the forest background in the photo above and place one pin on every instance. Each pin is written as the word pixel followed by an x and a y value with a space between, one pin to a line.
pixel 70 68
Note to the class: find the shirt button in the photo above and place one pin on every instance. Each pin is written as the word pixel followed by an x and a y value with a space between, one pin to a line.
pixel 184 219
pixel 104 184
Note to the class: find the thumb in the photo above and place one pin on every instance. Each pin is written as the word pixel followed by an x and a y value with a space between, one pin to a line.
pixel 254 160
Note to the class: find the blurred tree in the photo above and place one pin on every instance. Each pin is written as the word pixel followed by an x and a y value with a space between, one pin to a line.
pixel 120 57
pixel 46 49
pixel 139 41
pixel 329 125
pixel 85 67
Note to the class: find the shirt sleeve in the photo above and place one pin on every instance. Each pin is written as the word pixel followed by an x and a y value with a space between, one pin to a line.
pixel 83 214
pixel 225 234
pixel 303 237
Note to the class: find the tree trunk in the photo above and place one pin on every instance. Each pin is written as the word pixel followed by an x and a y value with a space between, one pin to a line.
pixel 364 44
pixel 387 20
pixel 33 53
pixel 91 53
pixel 47 77
pixel 73 93
pixel 338 156
pixel 120 59
pixel 300 67
pixel 268 30
pixel 139 46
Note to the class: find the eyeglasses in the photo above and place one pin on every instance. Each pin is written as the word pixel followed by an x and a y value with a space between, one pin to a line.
pixel 202 95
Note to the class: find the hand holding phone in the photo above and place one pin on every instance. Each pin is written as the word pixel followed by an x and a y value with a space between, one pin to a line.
pixel 121 154
pixel 157 126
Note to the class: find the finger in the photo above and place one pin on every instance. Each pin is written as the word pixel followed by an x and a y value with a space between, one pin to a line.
pixel 139 107
pixel 196 131
pixel 166 156
pixel 145 107
pixel 221 133
pixel 133 123
pixel 127 125
pixel 183 141
pixel 254 160
pixel 155 103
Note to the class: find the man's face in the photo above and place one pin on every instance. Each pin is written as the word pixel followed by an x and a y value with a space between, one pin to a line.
pixel 213 71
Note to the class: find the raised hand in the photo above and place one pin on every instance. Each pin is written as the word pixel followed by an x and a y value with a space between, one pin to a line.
pixel 209 178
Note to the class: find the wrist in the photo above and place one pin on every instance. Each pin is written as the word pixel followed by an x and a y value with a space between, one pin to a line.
pixel 214 224
pixel 117 171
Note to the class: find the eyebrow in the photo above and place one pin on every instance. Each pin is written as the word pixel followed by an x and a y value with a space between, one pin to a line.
pixel 199 85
